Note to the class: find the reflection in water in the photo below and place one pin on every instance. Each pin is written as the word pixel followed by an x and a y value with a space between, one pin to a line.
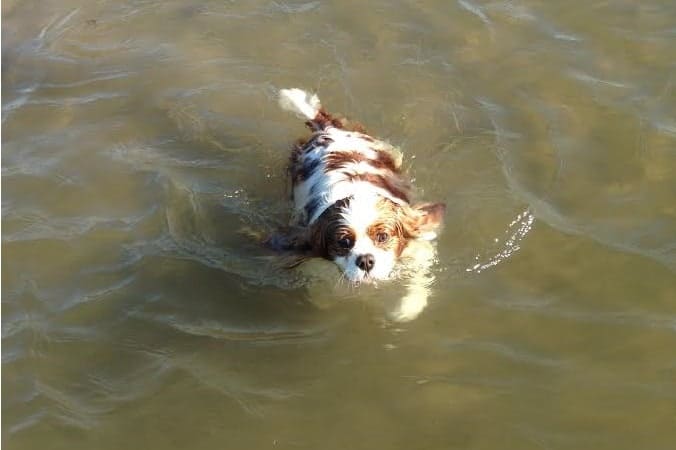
pixel 143 155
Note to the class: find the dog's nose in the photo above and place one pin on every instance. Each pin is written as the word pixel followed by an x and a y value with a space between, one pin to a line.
pixel 366 262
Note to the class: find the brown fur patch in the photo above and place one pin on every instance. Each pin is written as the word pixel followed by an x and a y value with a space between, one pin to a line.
pixel 324 119
pixel 420 219
pixel 390 223
pixel 338 160
pixel 395 185
pixel 396 240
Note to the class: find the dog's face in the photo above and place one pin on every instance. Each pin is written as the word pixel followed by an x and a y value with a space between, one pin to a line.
pixel 365 234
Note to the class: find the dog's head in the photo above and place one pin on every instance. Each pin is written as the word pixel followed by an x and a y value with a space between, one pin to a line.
pixel 365 234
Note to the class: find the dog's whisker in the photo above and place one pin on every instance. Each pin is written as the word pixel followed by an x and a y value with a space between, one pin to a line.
pixel 340 280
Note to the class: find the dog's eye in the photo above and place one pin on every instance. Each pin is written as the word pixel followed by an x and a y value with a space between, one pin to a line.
pixel 382 237
pixel 345 242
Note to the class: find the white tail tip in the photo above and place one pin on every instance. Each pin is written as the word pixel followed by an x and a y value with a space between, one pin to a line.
pixel 298 101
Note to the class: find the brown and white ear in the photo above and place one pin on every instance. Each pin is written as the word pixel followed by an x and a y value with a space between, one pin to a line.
pixel 423 221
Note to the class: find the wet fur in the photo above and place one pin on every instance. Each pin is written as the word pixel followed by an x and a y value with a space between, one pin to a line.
pixel 348 187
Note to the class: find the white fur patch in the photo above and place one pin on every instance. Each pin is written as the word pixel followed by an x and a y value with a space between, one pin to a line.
pixel 416 268
pixel 298 101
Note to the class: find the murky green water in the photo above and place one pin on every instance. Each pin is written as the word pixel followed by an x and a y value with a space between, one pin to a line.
pixel 142 146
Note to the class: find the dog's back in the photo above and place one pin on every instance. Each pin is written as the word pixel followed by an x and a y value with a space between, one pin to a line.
pixel 337 161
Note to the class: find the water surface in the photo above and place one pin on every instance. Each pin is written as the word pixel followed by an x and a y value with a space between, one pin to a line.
pixel 143 151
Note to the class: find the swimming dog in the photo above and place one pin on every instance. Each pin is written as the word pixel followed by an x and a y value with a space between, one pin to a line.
pixel 352 203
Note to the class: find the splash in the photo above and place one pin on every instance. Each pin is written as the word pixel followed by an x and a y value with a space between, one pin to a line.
pixel 516 231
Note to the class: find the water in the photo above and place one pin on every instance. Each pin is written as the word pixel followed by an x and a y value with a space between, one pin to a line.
pixel 143 152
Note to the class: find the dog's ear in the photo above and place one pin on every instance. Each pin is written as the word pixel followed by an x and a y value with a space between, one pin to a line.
pixel 423 220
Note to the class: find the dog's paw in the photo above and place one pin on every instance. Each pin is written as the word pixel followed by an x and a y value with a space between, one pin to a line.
pixel 411 305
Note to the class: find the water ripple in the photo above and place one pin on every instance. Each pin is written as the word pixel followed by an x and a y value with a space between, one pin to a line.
pixel 217 330
pixel 40 226
pixel 509 352
pixel 69 408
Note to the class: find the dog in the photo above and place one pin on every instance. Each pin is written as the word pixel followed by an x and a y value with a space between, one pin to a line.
pixel 352 205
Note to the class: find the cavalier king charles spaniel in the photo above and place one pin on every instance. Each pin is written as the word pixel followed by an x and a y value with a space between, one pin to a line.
pixel 352 205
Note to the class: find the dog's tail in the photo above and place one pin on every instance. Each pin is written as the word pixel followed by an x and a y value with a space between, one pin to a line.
pixel 306 106
pixel 298 101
